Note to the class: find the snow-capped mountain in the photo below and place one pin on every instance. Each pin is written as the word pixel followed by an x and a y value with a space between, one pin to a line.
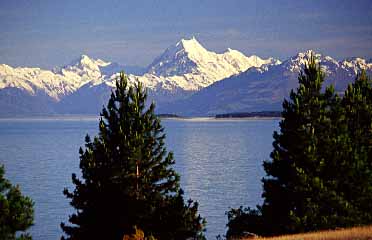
pixel 181 70
pixel 185 76
pixel 264 88
pixel 193 67
pixel 186 66
pixel 57 83
pixel 36 80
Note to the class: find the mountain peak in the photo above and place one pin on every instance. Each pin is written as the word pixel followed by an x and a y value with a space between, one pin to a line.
pixel 83 66
pixel 229 50
pixel 356 64
pixel 177 59
pixel 188 41
pixel 297 62
pixel 307 54
pixel 81 60
pixel 304 57
pixel 190 45
pixel 85 57
pixel 188 56
pixel 86 62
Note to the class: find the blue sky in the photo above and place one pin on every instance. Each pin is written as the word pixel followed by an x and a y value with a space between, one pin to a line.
pixel 52 33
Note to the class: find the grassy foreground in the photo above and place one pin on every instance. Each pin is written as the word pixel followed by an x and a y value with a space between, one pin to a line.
pixel 361 233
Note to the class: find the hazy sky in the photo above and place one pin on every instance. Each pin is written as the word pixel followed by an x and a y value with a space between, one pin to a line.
pixel 52 33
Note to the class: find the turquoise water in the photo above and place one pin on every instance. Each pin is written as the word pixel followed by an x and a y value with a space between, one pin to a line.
pixel 220 163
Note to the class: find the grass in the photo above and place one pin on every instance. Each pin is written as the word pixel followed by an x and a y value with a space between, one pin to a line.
pixel 360 233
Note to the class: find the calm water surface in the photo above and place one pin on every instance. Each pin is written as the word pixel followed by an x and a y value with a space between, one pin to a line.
pixel 220 163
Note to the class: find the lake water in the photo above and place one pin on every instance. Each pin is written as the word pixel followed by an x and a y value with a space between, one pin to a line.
pixel 220 163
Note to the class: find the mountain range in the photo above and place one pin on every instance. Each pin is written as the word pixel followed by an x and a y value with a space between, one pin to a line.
pixel 186 79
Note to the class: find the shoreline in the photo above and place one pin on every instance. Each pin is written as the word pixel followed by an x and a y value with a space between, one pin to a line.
pixel 220 119
pixel 73 117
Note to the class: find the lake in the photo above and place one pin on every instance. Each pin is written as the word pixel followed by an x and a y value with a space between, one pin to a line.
pixel 220 163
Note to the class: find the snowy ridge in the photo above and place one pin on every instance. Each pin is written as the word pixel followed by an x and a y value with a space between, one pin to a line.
pixel 57 83
pixel 85 66
pixel 182 71
pixel 35 79
pixel 264 88
pixel 356 64
pixel 185 66
pixel 330 66
pixel 297 62
pixel 194 67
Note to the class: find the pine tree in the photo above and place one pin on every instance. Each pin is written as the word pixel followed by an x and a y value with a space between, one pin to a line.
pixel 295 189
pixel 294 174
pixel 357 177
pixel 16 211
pixel 127 179
pixel 320 173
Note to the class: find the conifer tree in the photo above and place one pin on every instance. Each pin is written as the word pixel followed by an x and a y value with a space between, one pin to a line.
pixel 320 173
pixel 357 174
pixel 288 195
pixel 16 211
pixel 294 189
pixel 294 174
pixel 127 177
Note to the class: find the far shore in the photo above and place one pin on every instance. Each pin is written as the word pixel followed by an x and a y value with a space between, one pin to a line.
pixel 72 117
pixel 220 118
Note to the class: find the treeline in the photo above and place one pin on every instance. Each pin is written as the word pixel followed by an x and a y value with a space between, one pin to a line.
pixel 320 172
pixel 250 114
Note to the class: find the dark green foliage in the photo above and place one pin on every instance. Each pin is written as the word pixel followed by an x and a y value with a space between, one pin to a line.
pixel 320 173
pixel 127 177
pixel 357 179
pixel 16 211
pixel 244 220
